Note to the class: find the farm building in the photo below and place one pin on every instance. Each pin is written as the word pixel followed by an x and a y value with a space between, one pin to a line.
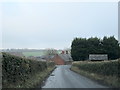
pixel 40 58
pixel 98 57
pixel 66 57
pixel 58 60
pixel 63 58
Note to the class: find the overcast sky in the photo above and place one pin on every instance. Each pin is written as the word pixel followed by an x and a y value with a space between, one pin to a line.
pixel 55 25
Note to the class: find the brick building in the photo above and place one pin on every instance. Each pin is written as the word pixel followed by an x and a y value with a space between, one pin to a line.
pixel 58 60
pixel 63 58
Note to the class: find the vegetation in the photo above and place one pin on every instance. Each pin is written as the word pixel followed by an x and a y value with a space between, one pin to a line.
pixel 40 53
pixel 82 47
pixel 18 71
pixel 51 52
pixel 0 71
pixel 33 53
pixel 106 71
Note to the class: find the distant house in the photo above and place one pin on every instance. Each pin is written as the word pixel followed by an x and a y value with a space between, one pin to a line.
pixel 98 57
pixel 66 57
pixel 38 58
pixel 44 57
pixel 31 57
pixel 58 60
pixel 20 54
pixel 62 59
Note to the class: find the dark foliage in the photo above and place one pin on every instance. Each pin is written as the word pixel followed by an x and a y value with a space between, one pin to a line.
pixel 16 69
pixel 110 68
pixel 82 47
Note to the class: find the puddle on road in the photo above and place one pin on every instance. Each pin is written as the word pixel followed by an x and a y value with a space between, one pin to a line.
pixel 52 75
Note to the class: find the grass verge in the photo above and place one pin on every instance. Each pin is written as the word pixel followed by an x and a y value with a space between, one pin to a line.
pixel 110 81
pixel 34 81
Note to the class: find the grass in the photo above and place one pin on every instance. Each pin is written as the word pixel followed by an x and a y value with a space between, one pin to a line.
pixel 111 81
pixel 40 53
pixel 34 81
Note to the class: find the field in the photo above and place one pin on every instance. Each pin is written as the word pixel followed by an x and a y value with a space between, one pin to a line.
pixel 34 53
pixel 104 71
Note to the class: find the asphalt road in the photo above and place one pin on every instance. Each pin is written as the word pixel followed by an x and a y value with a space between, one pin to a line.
pixel 63 77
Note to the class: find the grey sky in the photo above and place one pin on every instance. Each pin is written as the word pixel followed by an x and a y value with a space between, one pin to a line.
pixel 55 25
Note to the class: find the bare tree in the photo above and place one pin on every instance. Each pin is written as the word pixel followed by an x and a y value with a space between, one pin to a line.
pixel 51 51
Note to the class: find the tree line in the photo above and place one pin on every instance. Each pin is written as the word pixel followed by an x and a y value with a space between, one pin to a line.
pixel 82 47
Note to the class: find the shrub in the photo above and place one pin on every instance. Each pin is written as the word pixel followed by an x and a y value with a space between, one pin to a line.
pixel 103 68
pixel 16 68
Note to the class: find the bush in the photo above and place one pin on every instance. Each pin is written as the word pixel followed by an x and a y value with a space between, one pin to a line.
pixel 82 47
pixel 103 68
pixel 16 68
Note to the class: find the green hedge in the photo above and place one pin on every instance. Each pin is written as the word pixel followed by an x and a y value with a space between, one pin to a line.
pixel 103 68
pixel 16 68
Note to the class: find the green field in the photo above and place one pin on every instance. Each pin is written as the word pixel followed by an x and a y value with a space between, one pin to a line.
pixel 34 53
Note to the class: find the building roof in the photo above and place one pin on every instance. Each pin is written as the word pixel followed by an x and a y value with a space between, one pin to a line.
pixel 66 57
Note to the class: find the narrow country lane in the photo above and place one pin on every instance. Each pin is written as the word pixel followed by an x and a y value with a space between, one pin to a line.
pixel 63 77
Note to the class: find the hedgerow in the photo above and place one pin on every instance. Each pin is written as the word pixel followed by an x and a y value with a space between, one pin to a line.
pixel 110 68
pixel 20 69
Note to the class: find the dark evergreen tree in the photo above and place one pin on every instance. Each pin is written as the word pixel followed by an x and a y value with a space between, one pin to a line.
pixel 79 50
pixel 111 47
pixel 82 47
pixel 94 45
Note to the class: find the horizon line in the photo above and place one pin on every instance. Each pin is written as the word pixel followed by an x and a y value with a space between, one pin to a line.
pixel 33 1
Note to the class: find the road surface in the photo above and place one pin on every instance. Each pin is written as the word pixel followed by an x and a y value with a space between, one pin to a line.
pixel 63 77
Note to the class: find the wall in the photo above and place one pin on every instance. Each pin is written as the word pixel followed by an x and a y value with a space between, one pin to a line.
pixel 58 60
